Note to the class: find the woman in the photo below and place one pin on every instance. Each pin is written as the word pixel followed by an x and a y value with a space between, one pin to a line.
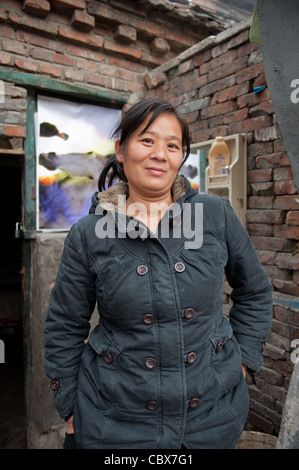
pixel 163 368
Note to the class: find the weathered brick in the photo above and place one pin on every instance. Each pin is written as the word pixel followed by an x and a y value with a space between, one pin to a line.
pixel 217 109
pixel 125 34
pixel 265 134
pixel 293 218
pixel 239 115
pixel 220 84
pixel 271 376
pixel 63 59
pixel 75 75
pixel 160 46
pixel 226 69
pixel 65 5
pixel 296 280
pixel 88 39
pixel 286 287
pixel 178 41
pixel 273 272
pixel 255 176
pixel 40 8
pixel 5 59
pixel 248 125
pixel 230 93
pixel 273 244
pixel 107 15
pixel 124 51
pixel 39 53
pixel 280 174
pixel 266 257
pixel 26 64
pixel 152 81
pixel 287 261
pixel 23 20
pixel 263 230
pixel 265 216
pixel 195 105
pixel 286 315
pixel 285 187
pixel 272 160
pixel 288 203
pixel 286 231
pixel 14 46
pixel 262 189
pixel 51 70
pixel 15 131
pixel 82 21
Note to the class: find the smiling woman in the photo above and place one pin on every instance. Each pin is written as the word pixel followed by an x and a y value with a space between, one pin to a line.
pixel 149 157
pixel 163 369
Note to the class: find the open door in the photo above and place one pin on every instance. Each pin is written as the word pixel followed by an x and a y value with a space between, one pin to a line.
pixel 12 397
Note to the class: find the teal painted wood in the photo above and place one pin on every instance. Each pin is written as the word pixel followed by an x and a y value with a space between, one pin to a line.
pixel 49 84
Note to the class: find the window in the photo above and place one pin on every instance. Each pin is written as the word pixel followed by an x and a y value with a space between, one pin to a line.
pixel 72 142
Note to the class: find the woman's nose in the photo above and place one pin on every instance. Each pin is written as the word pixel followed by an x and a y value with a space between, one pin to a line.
pixel 159 152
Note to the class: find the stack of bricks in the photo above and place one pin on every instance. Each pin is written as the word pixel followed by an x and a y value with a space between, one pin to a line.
pixel 109 44
pixel 212 84
pixel 13 107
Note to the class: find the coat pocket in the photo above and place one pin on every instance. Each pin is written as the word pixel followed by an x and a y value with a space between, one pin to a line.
pixel 99 369
pixel 225 357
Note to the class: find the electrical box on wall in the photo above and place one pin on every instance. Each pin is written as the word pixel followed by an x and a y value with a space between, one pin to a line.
pixel 232 184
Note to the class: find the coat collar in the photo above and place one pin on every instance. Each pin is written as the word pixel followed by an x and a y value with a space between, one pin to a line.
pixel 110 197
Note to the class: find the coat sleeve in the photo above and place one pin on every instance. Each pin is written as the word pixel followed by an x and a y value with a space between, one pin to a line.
pixel 72 302
pixel 251 313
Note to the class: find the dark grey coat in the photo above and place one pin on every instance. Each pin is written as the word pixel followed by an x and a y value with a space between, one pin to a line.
pixel 163 367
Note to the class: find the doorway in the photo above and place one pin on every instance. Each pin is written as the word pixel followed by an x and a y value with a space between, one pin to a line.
pixel 12 396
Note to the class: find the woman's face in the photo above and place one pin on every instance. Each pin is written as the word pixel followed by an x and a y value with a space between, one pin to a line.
pixel 151 159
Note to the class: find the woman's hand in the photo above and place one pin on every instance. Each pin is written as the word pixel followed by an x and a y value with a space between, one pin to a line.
pixel 70 427
pixel 244 370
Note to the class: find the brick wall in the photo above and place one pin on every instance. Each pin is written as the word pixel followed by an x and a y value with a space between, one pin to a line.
pixel 212 86
pixel 108 44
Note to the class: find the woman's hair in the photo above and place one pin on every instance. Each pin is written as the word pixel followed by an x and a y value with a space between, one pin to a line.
pixel 132 119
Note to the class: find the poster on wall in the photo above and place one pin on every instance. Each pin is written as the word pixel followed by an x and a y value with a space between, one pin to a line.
pixel 191 170
pixel 72 143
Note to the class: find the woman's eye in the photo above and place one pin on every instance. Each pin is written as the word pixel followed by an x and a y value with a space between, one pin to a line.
pixel 174 146
pixel 147 141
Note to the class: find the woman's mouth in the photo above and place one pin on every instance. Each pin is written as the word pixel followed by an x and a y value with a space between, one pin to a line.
pixel 156 171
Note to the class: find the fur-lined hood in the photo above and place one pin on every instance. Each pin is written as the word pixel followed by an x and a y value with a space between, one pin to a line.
pixel 109 197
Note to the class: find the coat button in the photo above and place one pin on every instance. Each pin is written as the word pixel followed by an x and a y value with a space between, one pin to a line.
pixel 54 385
pixel 191 357
pixel 176 221
pixel 189 313
pixel 219 346
pixel 142 270
pixel 148 319
pixel 179 267
pixel 152 405
pixel 150 363
pixel 107 358
pixel 194 402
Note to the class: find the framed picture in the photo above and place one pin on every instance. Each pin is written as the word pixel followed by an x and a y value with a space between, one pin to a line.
pixel 72 143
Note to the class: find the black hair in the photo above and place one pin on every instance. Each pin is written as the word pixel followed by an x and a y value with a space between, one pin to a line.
pixel 131 120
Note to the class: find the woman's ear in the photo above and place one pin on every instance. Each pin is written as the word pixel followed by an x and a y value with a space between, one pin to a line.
pixel 118 152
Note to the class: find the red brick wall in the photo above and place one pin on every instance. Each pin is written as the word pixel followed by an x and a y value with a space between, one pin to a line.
pixel 104 44
pixel 212 86
pixel 108 44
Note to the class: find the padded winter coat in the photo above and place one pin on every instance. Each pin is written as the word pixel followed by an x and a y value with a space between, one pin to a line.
pixel 162 368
